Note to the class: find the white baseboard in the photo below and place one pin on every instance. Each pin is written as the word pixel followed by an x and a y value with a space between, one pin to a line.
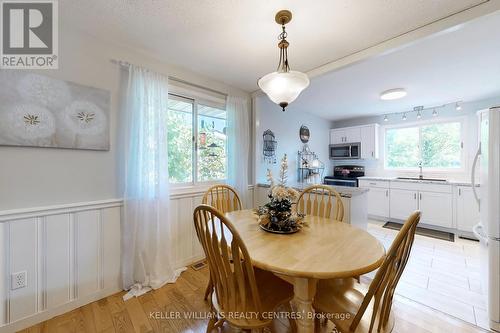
pixel 48 314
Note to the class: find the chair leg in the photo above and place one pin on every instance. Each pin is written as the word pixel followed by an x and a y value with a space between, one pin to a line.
pixel 211 325
pixel 208 291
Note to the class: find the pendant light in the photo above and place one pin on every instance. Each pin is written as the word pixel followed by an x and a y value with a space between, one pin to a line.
pixel 283 86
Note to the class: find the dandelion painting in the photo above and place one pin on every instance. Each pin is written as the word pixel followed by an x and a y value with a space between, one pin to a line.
pixel 41 111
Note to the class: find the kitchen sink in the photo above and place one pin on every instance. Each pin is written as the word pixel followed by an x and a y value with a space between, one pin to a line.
pixel 426 179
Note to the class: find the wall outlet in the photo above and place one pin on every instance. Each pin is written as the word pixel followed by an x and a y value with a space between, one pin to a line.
pixel 18 280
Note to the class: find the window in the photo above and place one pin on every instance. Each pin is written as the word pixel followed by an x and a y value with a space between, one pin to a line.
pixel 190 160
pixel 437 146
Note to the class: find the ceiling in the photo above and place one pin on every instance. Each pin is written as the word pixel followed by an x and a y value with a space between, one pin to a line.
pixel 234 41
pixel 461 64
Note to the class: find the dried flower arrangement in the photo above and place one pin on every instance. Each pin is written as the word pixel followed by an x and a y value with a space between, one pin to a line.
pixel 277 215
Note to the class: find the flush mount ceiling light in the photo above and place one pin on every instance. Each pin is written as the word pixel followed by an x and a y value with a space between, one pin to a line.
pixel 284 85
pixel 393 94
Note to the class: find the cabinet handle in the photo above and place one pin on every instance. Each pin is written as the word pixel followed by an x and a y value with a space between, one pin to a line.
pixel 386 193
pixel 373 154
pixel 459 191
pixel 373 183
pixel 420 196
pixel 415 196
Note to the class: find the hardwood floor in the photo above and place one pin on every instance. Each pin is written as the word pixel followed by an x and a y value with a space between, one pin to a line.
pixel 147 313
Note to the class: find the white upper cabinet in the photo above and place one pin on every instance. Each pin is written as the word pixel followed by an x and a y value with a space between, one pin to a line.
pixel 345 135
pixel 369 141
pixel 367 135
pixel 337 136
pixel 353 134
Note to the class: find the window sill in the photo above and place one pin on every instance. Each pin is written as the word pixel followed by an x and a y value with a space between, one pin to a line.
pixel 193 191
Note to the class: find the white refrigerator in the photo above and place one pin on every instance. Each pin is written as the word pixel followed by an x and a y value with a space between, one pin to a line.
pixel 487 167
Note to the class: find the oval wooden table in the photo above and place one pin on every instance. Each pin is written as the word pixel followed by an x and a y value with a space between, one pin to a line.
pixel 324 249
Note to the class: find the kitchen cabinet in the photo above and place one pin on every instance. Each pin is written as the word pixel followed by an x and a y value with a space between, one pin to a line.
pixel 436 208
pixel 378 197
pixel 402 203
pixel 367 135
pixel 378 201
pixel 467 210
pixel 345 135
pixel 369 141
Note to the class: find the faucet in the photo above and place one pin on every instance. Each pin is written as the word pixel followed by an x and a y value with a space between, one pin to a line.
pixel 421 173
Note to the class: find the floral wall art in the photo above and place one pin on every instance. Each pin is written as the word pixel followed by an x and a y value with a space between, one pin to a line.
pixel 40 111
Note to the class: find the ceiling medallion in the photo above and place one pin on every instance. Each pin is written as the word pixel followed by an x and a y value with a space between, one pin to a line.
pixel 284 85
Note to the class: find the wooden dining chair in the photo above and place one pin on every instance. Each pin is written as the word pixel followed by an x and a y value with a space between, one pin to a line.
pixel 239 288
pixel 352 309
pixel 225 199
pixel 319 200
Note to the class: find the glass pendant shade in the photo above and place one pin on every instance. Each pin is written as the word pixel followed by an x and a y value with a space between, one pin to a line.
pixel 283 87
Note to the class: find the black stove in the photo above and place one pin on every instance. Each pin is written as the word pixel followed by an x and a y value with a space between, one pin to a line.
pixel 345 175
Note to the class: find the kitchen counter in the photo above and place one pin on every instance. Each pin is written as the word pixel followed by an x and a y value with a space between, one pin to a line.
pixel 395 179
pixel 354 200
pixel 344 191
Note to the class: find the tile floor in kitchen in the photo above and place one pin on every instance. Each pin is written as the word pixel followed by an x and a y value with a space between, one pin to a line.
pixel 442 275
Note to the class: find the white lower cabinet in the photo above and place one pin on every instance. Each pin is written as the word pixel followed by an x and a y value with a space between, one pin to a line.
pixel 403 203
pixel 442 205
pixel 467 210
pixel 378 201
pixel 436 208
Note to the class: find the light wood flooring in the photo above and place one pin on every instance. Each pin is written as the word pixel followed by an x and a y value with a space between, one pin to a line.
pixel 442 275
pixel 112 314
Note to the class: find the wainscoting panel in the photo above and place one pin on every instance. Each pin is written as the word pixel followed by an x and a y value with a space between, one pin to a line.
pixel 70 255
pixel 57 260
pixel 23 302
pixel 87 258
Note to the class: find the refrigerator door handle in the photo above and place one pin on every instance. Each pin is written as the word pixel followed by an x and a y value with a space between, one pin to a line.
pixel 473 176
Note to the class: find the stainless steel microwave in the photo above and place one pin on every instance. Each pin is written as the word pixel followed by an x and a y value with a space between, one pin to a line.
pixel 345 151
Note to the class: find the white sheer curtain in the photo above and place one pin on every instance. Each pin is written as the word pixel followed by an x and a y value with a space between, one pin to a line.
pixel 238 130
pixel 146 232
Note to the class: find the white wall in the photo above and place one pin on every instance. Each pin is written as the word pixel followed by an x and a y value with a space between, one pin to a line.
pixel 37 177
pixel 468 114
pixel 285 126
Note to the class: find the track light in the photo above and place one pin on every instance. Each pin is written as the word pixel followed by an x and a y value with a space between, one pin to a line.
pixel 386 119
pixel 404 116
pixel 458 106
pixel 434 113
pixel 419 115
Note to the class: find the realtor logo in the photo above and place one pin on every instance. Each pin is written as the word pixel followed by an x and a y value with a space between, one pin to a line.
pixel 29 34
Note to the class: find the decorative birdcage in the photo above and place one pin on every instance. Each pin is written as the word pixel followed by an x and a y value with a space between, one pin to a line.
pixel 269 147
pixel 310 168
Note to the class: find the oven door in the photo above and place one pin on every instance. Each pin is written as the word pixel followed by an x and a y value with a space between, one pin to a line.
pixel 341 182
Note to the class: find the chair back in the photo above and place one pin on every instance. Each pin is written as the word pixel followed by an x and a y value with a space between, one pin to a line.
pixel 320 200
pixel 223 198
pixel 385 281
pixel 231 269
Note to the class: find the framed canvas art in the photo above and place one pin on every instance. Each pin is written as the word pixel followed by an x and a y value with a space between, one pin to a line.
pixel 41 111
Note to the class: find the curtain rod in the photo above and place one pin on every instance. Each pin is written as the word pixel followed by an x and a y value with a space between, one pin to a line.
pixel 172 78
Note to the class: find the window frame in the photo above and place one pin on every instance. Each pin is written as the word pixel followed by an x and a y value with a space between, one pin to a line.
pixel 419 125
pixel 194 145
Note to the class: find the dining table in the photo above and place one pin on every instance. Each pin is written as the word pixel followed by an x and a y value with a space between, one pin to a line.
pixel 322 249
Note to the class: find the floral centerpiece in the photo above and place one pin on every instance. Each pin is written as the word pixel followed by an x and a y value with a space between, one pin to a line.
pixel 278 215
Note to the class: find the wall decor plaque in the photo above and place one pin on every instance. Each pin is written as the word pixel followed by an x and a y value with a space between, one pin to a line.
pixel 304 134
